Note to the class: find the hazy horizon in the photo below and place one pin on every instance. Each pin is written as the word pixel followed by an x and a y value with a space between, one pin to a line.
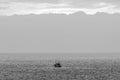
pixel 58 56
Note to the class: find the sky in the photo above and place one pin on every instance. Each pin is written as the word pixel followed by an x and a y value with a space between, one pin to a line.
pixel 48 27
pixel 26 7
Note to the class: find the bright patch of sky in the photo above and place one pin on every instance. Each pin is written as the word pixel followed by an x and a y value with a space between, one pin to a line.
pixel 37 7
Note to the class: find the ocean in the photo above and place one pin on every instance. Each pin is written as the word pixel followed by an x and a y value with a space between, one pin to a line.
pixel 71 69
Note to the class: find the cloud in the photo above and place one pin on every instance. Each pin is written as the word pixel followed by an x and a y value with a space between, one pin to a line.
pixel 9 8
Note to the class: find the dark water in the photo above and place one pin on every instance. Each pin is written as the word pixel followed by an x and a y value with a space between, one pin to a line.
pixel 84 69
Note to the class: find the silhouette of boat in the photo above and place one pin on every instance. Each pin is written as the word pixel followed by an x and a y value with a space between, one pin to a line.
pixel 57 65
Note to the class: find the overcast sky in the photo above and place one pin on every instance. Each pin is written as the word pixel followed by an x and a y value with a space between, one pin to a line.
pixel 84 34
